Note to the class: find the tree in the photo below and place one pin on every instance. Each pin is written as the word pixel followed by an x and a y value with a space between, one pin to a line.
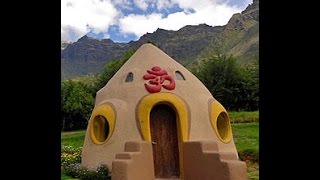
pixel 76 105
pixel 77 96
pixel 236 87
pixel 110 69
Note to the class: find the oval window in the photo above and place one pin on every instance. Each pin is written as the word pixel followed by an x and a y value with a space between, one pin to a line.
pixel 223 126
pixel 102 124
pixel 220 122
pixel 100 128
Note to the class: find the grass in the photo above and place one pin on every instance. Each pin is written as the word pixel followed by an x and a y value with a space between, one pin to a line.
pixel 244 116
pixel 252 170
pixel 65 177
pixel 246 136
pixel 73 138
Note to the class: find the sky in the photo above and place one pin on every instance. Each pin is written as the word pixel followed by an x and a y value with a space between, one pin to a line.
pixel 126 20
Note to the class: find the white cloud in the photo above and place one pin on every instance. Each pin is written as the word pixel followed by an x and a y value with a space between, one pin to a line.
pixel 142 4
pixel 196 5
pixel 78 17
pixel 122 4
pixel 204 11
pixel 136 24
pixel 163 4
pixel 241 4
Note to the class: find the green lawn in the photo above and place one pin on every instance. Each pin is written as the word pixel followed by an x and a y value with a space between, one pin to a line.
pixel 246 136
pixel 73 138
pixel 243 116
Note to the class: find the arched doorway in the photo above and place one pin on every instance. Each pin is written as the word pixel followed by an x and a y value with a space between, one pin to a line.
pixel 164 137
pixel 181 111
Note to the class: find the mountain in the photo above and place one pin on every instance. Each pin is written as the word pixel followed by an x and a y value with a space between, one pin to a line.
pixel 239 37
pixel 89 55
pixel 64 44
pixel 182 45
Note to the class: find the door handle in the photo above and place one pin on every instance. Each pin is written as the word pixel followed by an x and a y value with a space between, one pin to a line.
pixel 153 143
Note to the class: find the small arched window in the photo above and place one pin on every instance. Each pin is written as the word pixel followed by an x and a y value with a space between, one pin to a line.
pixel 179 76
pixel 129 77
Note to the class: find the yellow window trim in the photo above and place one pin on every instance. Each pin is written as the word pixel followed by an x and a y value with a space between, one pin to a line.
pixel 108 113
pixel 216 109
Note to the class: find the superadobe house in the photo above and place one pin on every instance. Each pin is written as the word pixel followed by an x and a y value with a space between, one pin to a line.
pixel 155 120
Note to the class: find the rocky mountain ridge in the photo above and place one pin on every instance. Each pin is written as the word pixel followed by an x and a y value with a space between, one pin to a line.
pixel 239 37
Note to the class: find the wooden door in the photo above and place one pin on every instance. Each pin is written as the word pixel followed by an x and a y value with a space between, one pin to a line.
pixel 165 141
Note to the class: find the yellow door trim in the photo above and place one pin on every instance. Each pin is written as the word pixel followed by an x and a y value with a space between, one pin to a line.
pixel 182 117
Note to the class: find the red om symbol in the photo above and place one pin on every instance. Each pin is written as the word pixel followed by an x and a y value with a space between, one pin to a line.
pixel 158 78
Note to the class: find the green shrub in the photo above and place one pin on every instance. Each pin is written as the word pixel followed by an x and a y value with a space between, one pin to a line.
pixel 77 103
pixel 76 170
pixel 249 155
pixel 102 172
pixel 70 155
pixel 233 85
pixel 70 163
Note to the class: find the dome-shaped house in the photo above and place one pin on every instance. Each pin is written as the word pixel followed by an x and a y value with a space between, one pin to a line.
pixel 155 119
